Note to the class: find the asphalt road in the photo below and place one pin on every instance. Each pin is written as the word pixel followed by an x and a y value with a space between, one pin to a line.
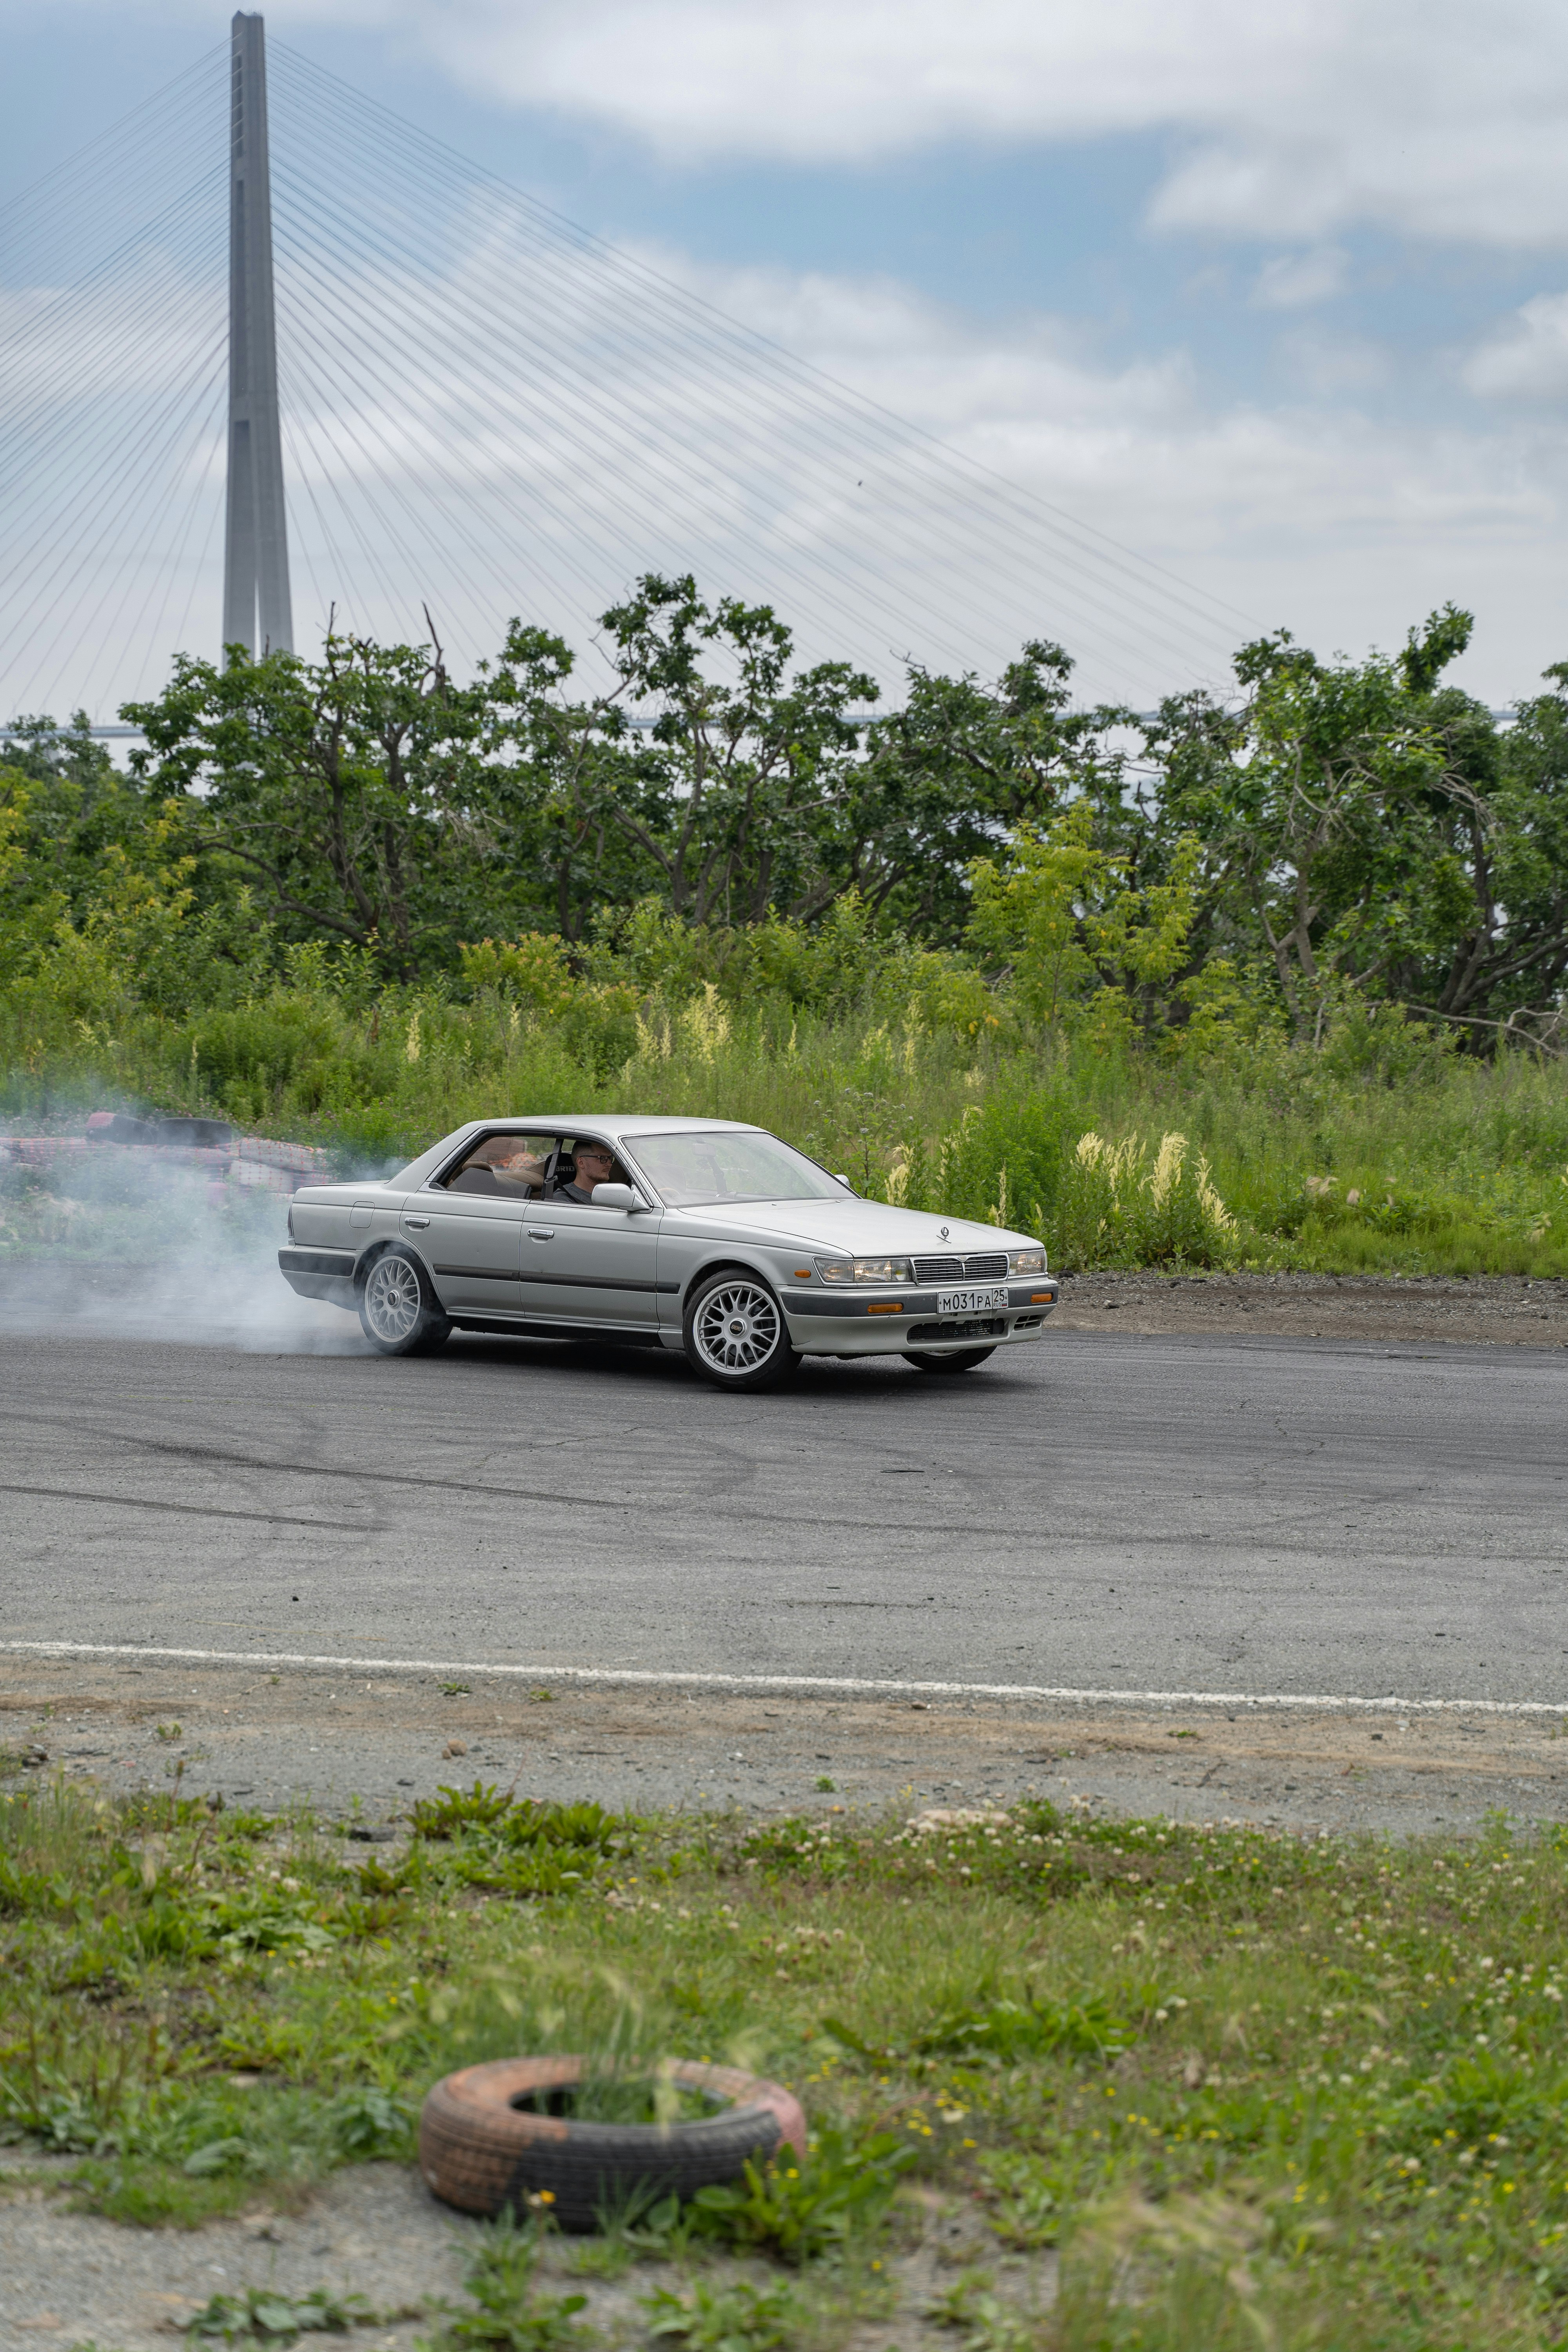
pixel 1096 1512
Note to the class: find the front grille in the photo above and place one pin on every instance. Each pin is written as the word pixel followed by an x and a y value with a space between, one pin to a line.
pixel 939 1269
pixel 989 1265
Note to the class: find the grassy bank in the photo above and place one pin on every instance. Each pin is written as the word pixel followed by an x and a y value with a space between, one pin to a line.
pixel 1253 2089
pixel 1379 1151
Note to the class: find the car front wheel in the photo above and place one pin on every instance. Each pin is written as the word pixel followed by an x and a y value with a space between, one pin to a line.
pixel 399 1312
pixel 962 1359
pixel 736 1334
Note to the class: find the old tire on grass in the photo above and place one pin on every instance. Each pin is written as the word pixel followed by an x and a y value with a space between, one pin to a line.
pixel 481 2152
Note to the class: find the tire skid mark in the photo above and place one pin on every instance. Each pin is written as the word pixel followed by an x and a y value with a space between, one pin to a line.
pixel 188 1510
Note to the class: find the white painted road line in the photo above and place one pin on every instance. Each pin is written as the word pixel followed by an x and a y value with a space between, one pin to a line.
pixel 857 1686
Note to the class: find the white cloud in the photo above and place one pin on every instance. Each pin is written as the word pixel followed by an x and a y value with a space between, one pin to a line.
pixel 1346 528
pixel 1528 358
pixel 1294 282
pixel 1296 120
pixel 1327 366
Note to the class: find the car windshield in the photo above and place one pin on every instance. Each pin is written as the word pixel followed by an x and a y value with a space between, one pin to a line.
pixel 693 1170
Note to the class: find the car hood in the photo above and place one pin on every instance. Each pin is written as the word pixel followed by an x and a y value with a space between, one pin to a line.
pixel 855 1228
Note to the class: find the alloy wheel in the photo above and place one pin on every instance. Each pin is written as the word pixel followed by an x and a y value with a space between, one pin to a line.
pixel 392 1301
pixel 737 1329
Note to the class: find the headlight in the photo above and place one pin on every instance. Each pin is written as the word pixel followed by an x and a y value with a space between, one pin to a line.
pixel 863 1269
pixel 1029 1261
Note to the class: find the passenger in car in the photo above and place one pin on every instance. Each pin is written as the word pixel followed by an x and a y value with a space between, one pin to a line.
pixel 595 1164
pixel 501 1168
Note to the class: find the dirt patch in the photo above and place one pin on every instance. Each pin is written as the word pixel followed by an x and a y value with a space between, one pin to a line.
pixel 371 2232
pixel 1485 1311
pixel 364 1746
pixel 374 2232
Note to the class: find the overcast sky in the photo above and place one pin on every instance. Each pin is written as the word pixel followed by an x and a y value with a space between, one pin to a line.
pixel 1278 296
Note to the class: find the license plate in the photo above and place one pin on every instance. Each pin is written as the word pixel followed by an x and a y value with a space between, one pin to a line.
pixel 970 1302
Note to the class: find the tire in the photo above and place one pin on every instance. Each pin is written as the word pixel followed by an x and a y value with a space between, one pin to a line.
pixel 481 2152
pixel 399 1313
pixel 962 1359
pixel 735 1332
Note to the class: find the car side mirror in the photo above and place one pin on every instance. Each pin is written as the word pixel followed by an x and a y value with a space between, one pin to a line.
pixel 616 1196
pixel 839 1179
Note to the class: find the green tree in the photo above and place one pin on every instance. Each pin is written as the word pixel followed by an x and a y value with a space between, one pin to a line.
pixel 353 793
pixel 1345 811
pixel 65 806
pixel 1061 913
pixel 737 796
pixel 961 763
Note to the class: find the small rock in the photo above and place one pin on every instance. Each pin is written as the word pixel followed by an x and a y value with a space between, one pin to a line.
pixel 31 1759
pixel 455 1747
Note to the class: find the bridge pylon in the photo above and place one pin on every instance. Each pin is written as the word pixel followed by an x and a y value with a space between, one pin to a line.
pixel 256 611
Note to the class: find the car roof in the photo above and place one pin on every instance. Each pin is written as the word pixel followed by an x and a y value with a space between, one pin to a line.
pixel 610 1122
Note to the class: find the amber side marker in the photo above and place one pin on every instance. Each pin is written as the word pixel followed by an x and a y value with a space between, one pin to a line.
pixel 884 1310
pixel 1041 1297
pixel 803 1273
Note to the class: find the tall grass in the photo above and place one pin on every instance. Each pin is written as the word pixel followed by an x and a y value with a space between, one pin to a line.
pixel 1383 1151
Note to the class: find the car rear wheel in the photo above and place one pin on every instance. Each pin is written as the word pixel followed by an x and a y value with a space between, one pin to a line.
pixel 962 1359
pixel 735 1333
pixel 399 1312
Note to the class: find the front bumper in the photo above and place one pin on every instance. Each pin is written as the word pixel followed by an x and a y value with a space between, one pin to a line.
pixel 829 1324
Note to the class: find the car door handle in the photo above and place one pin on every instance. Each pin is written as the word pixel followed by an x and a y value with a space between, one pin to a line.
pixel 419 1223
pixel 541 1233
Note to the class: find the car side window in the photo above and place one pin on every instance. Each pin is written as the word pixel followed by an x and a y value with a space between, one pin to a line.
pixel 584 1161
pixel 504 1167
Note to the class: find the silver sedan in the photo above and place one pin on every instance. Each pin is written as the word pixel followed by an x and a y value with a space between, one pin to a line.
pixel 703 1235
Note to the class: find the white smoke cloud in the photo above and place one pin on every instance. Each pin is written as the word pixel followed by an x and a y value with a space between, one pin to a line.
pixel 119 1246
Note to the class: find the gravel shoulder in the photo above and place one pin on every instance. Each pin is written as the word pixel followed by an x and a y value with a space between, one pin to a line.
pixel 1481 1310
pixel 362 1750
